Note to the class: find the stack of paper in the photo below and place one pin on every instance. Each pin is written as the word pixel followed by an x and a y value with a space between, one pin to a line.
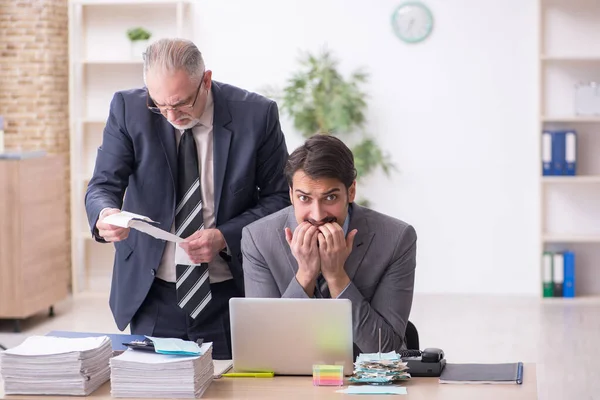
pixel 380 369
pixel 137 373
pixel 50 365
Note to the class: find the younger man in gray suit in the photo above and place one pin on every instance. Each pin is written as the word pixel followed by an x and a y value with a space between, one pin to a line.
pixel 326 246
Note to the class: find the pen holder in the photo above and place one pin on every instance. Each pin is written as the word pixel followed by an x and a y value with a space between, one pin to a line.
pixel 328 375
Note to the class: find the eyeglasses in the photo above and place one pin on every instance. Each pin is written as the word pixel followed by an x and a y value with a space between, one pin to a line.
pixel 165 109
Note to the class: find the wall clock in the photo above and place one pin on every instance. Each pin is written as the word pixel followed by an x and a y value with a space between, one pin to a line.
pixel 412 21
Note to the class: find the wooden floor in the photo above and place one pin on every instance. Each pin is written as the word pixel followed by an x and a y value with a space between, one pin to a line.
pixel 561 336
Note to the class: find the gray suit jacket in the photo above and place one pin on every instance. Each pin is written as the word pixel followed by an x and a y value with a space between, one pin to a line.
pixel 381 268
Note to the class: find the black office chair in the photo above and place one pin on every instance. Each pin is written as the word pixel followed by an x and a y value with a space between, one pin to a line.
pixel 412 337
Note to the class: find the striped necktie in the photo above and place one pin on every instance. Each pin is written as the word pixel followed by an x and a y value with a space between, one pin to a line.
pixel 321 288
pixel 193 285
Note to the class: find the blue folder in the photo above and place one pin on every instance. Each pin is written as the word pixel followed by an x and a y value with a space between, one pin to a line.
pixel 571 153
pixel 547 166
pixel 569 283
pixel 558 152
pixel 117 339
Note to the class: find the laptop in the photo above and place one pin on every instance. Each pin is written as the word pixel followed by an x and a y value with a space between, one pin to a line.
pixel 289 336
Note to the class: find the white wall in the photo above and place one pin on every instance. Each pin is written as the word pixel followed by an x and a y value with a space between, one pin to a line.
pixel 458 112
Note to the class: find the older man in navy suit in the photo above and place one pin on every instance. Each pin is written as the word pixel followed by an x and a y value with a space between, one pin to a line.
pixel 203 159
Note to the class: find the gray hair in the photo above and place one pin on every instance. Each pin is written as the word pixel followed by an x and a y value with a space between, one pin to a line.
pixel 169 55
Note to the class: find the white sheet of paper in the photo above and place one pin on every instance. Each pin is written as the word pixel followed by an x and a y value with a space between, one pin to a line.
pixel 181 257
pixel 123 219
pixel 147 357
pixel 155 231
pixel 221 367
pixel 126 219
pixel 47 345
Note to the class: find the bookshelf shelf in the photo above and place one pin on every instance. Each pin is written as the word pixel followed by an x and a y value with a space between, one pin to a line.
pixel 570 59
pixel 576 300
pixel 102 62
pixel 571 179
pixel 591 119
pixel 571 239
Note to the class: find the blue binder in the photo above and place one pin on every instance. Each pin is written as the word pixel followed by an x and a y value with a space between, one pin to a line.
pixel 546 153
pixel 569 282
pixel 558 152
pixel 571 152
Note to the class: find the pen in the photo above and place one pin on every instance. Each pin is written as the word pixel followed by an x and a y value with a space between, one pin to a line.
pixel 249 374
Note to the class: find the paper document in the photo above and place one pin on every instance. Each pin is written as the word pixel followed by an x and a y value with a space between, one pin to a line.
pixel 46 345
pixel 48 365
pixel 221 367
pixel 143 374
pixel 147 357
pixel 391 356
pixel 374 390
pixel 126 219
pixel 181 257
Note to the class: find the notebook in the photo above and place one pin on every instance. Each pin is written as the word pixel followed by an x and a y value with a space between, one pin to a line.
pixel 483 373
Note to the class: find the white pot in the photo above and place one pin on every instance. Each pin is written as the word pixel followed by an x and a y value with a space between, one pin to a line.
pixel 138 47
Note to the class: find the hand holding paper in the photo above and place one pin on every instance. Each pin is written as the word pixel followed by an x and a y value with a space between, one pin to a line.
pixel 141 223
pixel 204 245
pixel 110 232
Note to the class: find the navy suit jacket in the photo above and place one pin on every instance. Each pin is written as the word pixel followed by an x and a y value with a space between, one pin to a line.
pixel 138 153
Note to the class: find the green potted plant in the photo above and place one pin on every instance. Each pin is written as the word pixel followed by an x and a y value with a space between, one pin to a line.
pixel 320 100
pixel 139 38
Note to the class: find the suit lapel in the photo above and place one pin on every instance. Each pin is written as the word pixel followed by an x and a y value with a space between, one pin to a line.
pixel 292 224
pixel 362 240
pixel 166 134
pixel 221 142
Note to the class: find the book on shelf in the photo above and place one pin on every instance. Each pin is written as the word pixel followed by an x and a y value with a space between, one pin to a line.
pixel 558 274
pixel 559 152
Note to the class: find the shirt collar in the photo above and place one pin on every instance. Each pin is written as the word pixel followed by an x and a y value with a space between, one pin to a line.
pixel 347 220
pixel 206 119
